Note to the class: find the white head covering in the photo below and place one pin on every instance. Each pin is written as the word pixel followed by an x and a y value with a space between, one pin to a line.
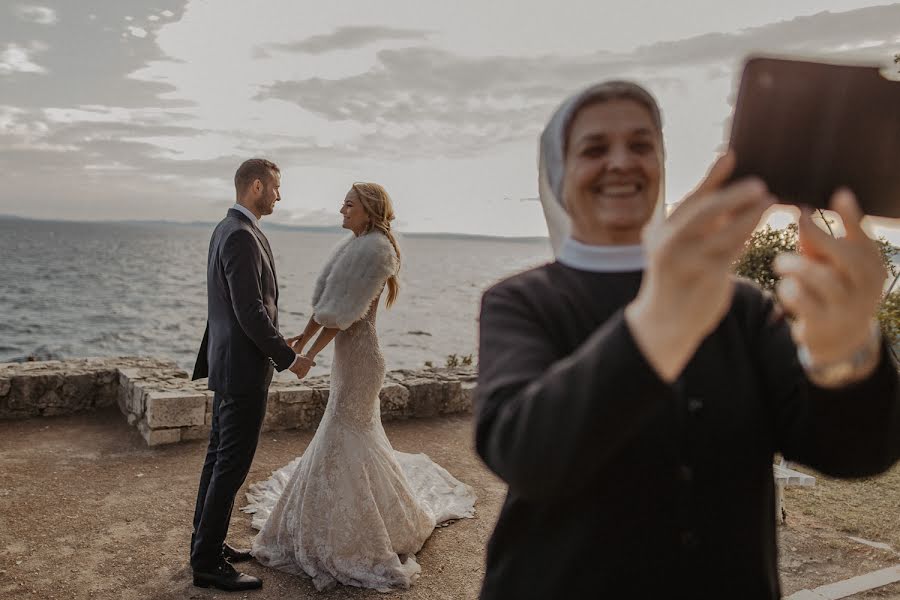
pixel 551 164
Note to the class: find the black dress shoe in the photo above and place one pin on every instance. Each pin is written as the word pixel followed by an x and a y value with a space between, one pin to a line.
pixel 225 578
pixel 234 555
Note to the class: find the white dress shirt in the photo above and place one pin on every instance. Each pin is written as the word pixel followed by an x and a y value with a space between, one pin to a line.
pixel 247 212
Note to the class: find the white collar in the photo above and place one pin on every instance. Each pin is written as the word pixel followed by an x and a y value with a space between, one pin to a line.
pixel 601 259
pixel 247 212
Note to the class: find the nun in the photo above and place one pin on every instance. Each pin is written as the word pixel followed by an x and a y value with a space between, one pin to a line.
pixel 633 393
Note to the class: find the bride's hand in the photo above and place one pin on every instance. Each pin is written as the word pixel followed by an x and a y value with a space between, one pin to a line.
pixel 297 339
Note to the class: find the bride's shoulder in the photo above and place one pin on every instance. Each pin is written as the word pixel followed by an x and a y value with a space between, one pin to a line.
pixel 377 244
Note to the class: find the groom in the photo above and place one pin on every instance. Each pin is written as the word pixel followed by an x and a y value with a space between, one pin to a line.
pixel 240 348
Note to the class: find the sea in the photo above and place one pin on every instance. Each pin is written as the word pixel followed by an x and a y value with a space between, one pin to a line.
pixel 89 289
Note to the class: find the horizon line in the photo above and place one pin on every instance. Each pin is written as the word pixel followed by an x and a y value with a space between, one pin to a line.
pixel 290 226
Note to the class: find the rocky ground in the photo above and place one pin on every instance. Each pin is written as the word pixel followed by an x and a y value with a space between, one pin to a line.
pixel 87 511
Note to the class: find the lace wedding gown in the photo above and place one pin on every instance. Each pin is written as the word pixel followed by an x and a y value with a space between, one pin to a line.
pixel 345 509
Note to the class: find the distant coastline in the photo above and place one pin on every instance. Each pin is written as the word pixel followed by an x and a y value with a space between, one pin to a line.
pixel 287 227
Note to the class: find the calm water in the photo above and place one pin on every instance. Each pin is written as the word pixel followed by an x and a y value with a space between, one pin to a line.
pixel 97 289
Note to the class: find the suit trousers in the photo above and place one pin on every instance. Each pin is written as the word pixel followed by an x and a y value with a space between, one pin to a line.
pixel 236 423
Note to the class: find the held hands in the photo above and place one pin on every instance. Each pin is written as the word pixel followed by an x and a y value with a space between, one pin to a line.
pixel 296 343
pixel 303 363
pixel 301 366
pixel 687 287
pixel 834 287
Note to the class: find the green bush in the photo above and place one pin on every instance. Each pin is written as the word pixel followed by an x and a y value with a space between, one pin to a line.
pixel 761 249
pixel 889 317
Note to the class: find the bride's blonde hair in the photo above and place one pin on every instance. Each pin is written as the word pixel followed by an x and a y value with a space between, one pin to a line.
pixel 378 206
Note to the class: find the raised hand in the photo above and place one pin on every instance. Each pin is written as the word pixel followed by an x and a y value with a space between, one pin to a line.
pixel 687 287
pixel 833 287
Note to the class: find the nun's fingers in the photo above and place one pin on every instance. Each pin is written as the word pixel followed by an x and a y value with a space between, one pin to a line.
pixel 856 258
pixel 728 235
pixel 801 302
pixel 827 285
pixel 706 215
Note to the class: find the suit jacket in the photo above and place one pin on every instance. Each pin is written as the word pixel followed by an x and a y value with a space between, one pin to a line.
pixel 241 345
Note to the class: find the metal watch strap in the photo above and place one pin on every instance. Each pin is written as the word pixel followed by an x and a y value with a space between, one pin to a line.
pixel 846 371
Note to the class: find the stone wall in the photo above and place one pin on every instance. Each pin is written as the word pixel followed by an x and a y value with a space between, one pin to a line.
pixel 158 398
pixel 51 388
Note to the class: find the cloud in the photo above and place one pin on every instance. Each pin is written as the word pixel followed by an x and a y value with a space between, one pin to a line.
pixel 147 142
pixel 36 14
pixel 16 59
pixel 866 32
pixel 451 104
pixel 88 58
pixel 348 38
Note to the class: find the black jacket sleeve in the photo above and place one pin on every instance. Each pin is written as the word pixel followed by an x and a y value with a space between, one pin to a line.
pixel 852 431
pixel 561 417
pixel 241 260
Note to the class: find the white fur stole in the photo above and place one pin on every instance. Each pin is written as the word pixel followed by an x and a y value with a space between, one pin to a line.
pixel 351 278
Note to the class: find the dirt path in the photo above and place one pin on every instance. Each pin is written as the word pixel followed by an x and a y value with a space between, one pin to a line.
pixel 88 511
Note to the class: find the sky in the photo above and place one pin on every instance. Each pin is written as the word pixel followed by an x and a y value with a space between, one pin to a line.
pixel 143 110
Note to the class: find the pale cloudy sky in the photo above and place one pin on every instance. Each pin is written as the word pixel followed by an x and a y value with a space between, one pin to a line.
pixel 143 110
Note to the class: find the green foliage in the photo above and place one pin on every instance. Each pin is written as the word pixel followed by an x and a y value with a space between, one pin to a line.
pixel 767 243
pixel 889 317
pixel 762 248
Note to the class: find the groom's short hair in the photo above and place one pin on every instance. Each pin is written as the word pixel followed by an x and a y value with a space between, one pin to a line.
pixel 253 169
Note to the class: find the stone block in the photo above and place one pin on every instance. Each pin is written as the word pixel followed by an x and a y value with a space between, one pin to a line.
pixel 175 409
pixel 77 391
pixel 5 386
pixel 158 437
pixel 195 432
pixel 297 394
pixel 129 373
pixel 107 377
pixel 394 401
pixel 136 400
pixel 426 396
pixel 467 396
pixel 106 394
pixel 286 416
pixel 30 392
pixel 455 398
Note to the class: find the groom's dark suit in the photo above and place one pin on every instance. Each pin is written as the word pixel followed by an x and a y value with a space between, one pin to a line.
pixel 239 350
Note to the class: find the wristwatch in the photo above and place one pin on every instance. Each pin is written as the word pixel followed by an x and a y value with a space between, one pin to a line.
pixel 849 370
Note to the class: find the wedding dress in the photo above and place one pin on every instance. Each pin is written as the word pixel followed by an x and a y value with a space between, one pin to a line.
pixel 350 509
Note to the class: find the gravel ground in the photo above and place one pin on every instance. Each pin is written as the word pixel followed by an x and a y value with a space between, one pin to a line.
pixel 87 511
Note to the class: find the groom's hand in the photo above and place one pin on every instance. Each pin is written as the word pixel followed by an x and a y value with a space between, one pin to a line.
pixel 293 340
pixel 301 366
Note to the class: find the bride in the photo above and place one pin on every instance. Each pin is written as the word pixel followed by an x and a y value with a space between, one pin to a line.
pixel 351 509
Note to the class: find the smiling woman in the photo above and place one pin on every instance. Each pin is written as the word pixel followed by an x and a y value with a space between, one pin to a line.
pixel 613 167
pixel 633 394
